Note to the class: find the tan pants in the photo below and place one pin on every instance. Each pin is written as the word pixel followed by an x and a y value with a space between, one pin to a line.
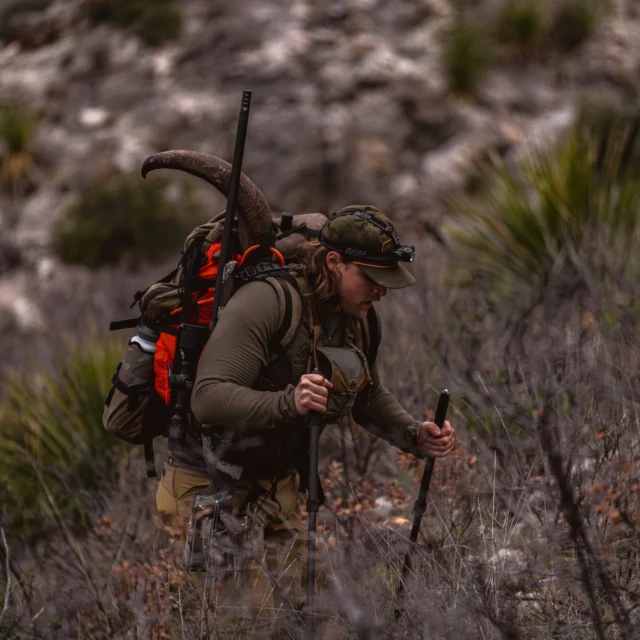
pixel 276 573
pixel 177 492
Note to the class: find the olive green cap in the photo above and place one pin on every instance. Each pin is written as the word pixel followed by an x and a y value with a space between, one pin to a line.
pixel 362 234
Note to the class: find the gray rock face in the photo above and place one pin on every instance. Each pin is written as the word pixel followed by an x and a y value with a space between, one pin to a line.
pixel 350 103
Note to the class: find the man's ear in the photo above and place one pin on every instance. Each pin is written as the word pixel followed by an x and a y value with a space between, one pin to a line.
pixel 333 261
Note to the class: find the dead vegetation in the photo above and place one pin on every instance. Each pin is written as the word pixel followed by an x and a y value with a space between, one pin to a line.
pixel 532 526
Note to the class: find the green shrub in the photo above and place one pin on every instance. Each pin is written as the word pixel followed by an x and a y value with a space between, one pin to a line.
pixel 575 207
pixel 467 55
pixel 155 21
pixel 17 128
pixel 573 22
pixel 159 23
pixel 127 219
pixel 520 23
pixel 53 447
pixel 604 124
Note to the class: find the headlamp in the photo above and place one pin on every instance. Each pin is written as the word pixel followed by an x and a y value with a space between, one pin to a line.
pixel 404 253
pixel 397 253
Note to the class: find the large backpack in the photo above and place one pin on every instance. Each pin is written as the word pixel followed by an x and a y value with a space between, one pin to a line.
pixel 142 398
pixel 141 402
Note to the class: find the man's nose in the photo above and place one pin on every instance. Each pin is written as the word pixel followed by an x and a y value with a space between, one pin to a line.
pixel 381 291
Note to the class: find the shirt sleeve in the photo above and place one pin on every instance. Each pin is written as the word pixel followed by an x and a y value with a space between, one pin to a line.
pixel 378 411
pixel 231 362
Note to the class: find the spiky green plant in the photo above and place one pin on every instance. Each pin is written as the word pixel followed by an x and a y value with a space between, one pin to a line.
pixel 17 127
pixel 127 219
pixel 53 446
pixel 520 23
pixel 577 205
pixel 468 55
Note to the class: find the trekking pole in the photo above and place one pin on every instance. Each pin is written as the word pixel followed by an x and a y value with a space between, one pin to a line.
pixel 420 504
pixel 313 501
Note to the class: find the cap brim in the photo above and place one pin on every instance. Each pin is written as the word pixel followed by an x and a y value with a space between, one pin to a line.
pixel 395 277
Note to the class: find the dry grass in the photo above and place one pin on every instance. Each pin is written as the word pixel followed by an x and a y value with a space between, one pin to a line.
pixel 531 529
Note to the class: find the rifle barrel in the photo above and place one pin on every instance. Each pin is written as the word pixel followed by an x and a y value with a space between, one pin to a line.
pixel 232 200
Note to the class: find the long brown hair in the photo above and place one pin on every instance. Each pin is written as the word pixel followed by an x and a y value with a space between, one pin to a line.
pixel 312 256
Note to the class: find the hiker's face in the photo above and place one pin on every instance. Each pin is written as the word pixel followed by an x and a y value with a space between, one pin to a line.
pixel 357 290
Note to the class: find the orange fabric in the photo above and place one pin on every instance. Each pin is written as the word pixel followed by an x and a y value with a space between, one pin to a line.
pixel 163 365
pixel 166 344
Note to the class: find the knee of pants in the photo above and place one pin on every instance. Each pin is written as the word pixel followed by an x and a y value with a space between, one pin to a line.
pixel 177 491
pixel 284 548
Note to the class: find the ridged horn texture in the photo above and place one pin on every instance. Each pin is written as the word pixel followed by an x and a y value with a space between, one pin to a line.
pixel 254 213
pixel 289 245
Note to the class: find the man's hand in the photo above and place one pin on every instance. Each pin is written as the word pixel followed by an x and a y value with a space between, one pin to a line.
pixel 312 393
pixel 435 442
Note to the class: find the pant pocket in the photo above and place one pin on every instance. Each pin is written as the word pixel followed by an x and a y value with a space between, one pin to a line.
pixel 165 500
pixel 177 491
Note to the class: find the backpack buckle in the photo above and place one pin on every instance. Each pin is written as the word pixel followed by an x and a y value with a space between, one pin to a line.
pixel 264 267
pixel 248 272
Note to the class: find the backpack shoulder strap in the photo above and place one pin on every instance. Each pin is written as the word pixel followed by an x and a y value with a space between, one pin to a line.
pixel 371 336
pixel 289 295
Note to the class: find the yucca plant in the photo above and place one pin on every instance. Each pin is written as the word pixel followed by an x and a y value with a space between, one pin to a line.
pixel 468 55
pixel 53 447
pixel 577 205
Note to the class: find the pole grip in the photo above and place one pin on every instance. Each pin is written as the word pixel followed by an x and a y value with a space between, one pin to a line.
pixel 441 409
pixel 421 502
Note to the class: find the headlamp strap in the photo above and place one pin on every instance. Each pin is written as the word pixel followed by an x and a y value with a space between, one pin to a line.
pixel 376 223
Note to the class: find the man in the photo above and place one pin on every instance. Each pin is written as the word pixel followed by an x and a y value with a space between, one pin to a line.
pixel 254 396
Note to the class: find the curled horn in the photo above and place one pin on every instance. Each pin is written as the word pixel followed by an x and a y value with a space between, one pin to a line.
pixel 254 212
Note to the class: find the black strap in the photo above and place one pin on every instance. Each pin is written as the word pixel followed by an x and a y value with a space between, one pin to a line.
pixel 109 398
pixel 250 272
pixel 190 274
pixel 149 459
pixel 310 234
pixel 389 230
pixel 371 349
pixel 285 325
pixel 129 323
pixel 132 323
pixel 206 283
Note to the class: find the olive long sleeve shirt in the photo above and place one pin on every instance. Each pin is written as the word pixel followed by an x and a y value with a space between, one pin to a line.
pixel 236 353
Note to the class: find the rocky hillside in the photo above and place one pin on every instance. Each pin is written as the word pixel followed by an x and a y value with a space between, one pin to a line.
pixel 353 101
